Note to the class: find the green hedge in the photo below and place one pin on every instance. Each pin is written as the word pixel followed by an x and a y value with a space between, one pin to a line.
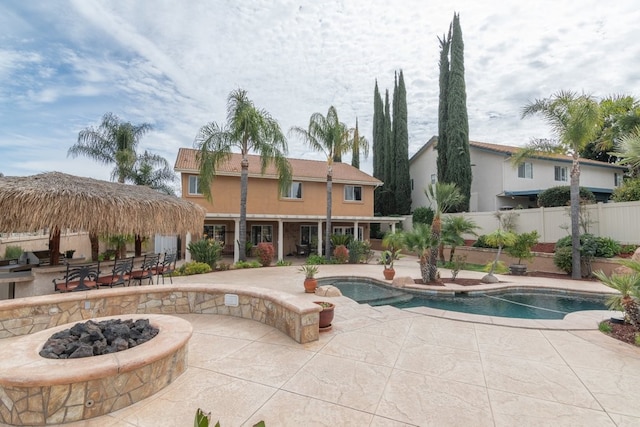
pixel 561 196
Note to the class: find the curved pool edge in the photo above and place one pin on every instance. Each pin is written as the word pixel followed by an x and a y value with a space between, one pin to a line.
pixel 578 320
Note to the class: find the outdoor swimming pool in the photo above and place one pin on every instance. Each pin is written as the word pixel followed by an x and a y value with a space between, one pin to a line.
pixel 534 304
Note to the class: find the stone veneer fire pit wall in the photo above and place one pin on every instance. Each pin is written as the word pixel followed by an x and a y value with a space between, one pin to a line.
pixel 293 315
pixel 39 391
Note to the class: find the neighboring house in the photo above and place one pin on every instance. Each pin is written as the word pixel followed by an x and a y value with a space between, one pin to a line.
pixel 291 221
pixel 497 184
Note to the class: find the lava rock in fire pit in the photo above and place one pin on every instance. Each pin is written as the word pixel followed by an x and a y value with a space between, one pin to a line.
pixel 95 338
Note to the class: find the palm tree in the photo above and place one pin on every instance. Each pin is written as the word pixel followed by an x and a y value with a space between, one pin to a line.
pixel 628 151
pixel 153 171
pixel 629 287
pixel 445 196
pixel 420 241
pixel 575 120
pixel 248 129
pixel 329 136
pixel 453 227
pixel 114 142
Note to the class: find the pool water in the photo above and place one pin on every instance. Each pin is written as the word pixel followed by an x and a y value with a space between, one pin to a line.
pixel 514 304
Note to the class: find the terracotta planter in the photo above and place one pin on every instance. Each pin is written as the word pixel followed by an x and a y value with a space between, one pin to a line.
pixel 389 273
pixel 310 285
pixel 326 315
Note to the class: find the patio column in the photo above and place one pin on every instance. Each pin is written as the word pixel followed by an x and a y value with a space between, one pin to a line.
pixel 280 240
pixel 393 227
pixel 320 234
pixel 355 231
pixel 236 235
pixel 187 253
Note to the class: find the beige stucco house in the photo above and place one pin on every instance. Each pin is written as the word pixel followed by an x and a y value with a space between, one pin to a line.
pixel 498 184
pixel 297 217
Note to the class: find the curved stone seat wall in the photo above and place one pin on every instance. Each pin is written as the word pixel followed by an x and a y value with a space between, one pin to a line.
pixel 295 316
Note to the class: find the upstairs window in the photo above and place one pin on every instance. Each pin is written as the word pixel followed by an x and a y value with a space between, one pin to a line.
pixel 561 173
pixel 194 184
pixel 293 192
pixel 525 170
pixel 352 193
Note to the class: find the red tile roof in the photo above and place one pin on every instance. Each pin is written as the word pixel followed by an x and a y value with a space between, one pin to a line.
pixel 303 170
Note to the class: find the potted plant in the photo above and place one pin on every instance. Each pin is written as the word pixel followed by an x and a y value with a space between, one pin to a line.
pixel 326 315
pixel 310 281
pixel 387 259
pixel 521 249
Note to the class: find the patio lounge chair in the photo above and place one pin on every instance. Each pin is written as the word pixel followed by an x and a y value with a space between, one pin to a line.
pixel 120 274
pixel 147 269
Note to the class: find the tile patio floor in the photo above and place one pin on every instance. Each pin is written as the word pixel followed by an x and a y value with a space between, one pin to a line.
pixel 388 367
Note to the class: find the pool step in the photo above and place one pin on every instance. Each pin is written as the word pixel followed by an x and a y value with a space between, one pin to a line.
pixel 390 300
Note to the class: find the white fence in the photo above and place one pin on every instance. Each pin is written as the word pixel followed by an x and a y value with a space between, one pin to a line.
pixel 619 221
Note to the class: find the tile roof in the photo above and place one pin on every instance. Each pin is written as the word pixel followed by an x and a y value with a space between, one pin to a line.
pixel 303 170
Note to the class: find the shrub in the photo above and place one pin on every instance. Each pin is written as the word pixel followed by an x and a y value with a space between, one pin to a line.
pixel 562 258
pixel 316 259
pixel 423 215
pixel 561 196
pixel 600 247
pixel 629 191
pixel 341 254
pixel 340 239
pixel 247 264
pixel 194 267
pixel 500 268
pixel 359 251
pixel 521 249
pixel 265 253
pixel 12 252
pixel 208 251
pixel 483 243
pixel 283 263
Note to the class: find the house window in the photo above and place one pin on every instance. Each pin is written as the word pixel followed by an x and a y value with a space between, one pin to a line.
pixel 261 233
pixel 308 234
pixel 617 179
pixel 433 178
pixel 194 184
pixel 560 173
pixel 349 231
pixel 352 193
pixel 294 191
pixel 525 170
pixel 216 232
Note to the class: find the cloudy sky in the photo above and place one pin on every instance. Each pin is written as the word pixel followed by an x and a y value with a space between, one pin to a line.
pixel 63 64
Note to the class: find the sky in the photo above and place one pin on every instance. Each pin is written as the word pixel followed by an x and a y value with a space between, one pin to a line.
pixel 64 64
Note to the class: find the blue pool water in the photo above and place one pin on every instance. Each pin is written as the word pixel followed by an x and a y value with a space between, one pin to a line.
pixel 514 304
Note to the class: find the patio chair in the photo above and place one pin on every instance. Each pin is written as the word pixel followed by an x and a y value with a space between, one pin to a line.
pixel 120 274
pixel 147 269
pixel 302 250
pixel 78 277
pixel 166 267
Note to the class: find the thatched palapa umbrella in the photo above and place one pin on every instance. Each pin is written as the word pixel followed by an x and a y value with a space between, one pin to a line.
pixel 59 201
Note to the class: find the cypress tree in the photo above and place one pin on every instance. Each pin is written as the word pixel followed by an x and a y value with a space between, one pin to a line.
pixel 355 149
pixel 441 145
pixel 402 181
pixel 458 168
pixel 378 147
pixel 389 160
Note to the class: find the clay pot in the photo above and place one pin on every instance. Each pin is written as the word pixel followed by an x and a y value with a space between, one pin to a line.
pixel 310 285
pixel 326 315
pixel 389 273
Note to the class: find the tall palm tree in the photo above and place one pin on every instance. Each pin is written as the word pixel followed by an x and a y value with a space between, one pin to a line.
pixel 248 129
pixel 114 142
pixel 420 241
pixel 446 196
pixel 628 151
pixel 329 136
pixel 153 171
pixel 453 228
pixel 575 120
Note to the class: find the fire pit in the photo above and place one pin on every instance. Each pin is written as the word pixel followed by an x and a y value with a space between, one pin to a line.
pixel 39 391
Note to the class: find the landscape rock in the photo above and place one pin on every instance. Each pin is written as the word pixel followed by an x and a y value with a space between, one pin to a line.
pixel 328 291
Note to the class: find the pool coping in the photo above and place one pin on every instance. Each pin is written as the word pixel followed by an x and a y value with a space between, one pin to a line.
pixel 577 320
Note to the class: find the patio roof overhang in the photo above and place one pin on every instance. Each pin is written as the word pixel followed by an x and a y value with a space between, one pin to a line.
pixel 306 218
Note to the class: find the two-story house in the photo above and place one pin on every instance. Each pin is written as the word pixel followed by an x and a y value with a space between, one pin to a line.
pixel 498 184
pixel 297 217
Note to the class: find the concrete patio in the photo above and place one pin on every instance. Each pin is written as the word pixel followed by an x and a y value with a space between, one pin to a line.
pixel 381 366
